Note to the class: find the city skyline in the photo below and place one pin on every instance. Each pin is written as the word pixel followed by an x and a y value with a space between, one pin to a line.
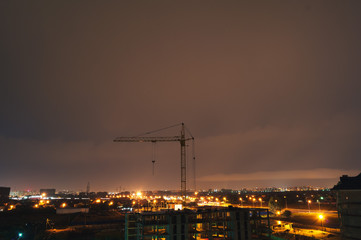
pixel 269 90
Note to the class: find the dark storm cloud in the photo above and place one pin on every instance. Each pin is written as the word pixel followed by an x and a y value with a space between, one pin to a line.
pixel 264 86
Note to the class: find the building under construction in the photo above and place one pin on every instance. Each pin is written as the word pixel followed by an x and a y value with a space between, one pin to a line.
pixel 202 223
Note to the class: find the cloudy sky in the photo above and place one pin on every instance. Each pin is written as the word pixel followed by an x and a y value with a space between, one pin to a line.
pixel 271 91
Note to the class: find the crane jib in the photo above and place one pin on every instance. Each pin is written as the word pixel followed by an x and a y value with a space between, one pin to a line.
pixel 151 139
pixel 181 139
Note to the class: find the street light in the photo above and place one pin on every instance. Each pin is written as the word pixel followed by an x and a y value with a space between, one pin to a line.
pixel 321 218
pixel 260 199
pixel 309 202
pixel 253 200
pixel 319 205
pixel 285 200
pixel 240 199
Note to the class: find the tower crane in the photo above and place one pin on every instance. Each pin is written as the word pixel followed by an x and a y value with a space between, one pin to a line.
pixel 182 139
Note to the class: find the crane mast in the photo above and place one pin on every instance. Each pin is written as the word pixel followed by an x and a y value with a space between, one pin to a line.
pixel 182 139
pixel 183 163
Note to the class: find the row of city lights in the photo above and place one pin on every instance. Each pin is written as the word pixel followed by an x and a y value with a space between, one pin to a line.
pixel 140 196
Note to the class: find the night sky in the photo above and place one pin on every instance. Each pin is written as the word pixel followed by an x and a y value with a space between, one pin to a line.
pixel 271 91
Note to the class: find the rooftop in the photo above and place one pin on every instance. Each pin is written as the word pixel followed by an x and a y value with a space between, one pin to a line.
pixel 347 182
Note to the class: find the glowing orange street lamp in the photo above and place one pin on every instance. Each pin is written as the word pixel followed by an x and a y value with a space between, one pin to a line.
pixel 260 199
pixel 241 199
pixel 309 202
pixel 321 218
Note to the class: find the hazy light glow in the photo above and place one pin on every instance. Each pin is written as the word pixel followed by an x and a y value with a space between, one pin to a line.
pixel 270 90
pixel 321 173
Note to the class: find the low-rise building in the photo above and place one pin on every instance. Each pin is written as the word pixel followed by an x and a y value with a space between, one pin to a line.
pixel 348 192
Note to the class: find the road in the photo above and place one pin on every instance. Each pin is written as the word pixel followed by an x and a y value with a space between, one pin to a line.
pixel 324 212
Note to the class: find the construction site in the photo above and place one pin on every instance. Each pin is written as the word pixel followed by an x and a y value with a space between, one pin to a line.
pixel 178 215
pixel 197 222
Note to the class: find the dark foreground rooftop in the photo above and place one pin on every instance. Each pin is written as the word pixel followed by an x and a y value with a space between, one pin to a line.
pixel 347 182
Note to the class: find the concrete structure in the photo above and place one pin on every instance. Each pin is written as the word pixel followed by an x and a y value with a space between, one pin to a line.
pixel 4 193
pixel 202 223
pixel 49 192
pixel 348 192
